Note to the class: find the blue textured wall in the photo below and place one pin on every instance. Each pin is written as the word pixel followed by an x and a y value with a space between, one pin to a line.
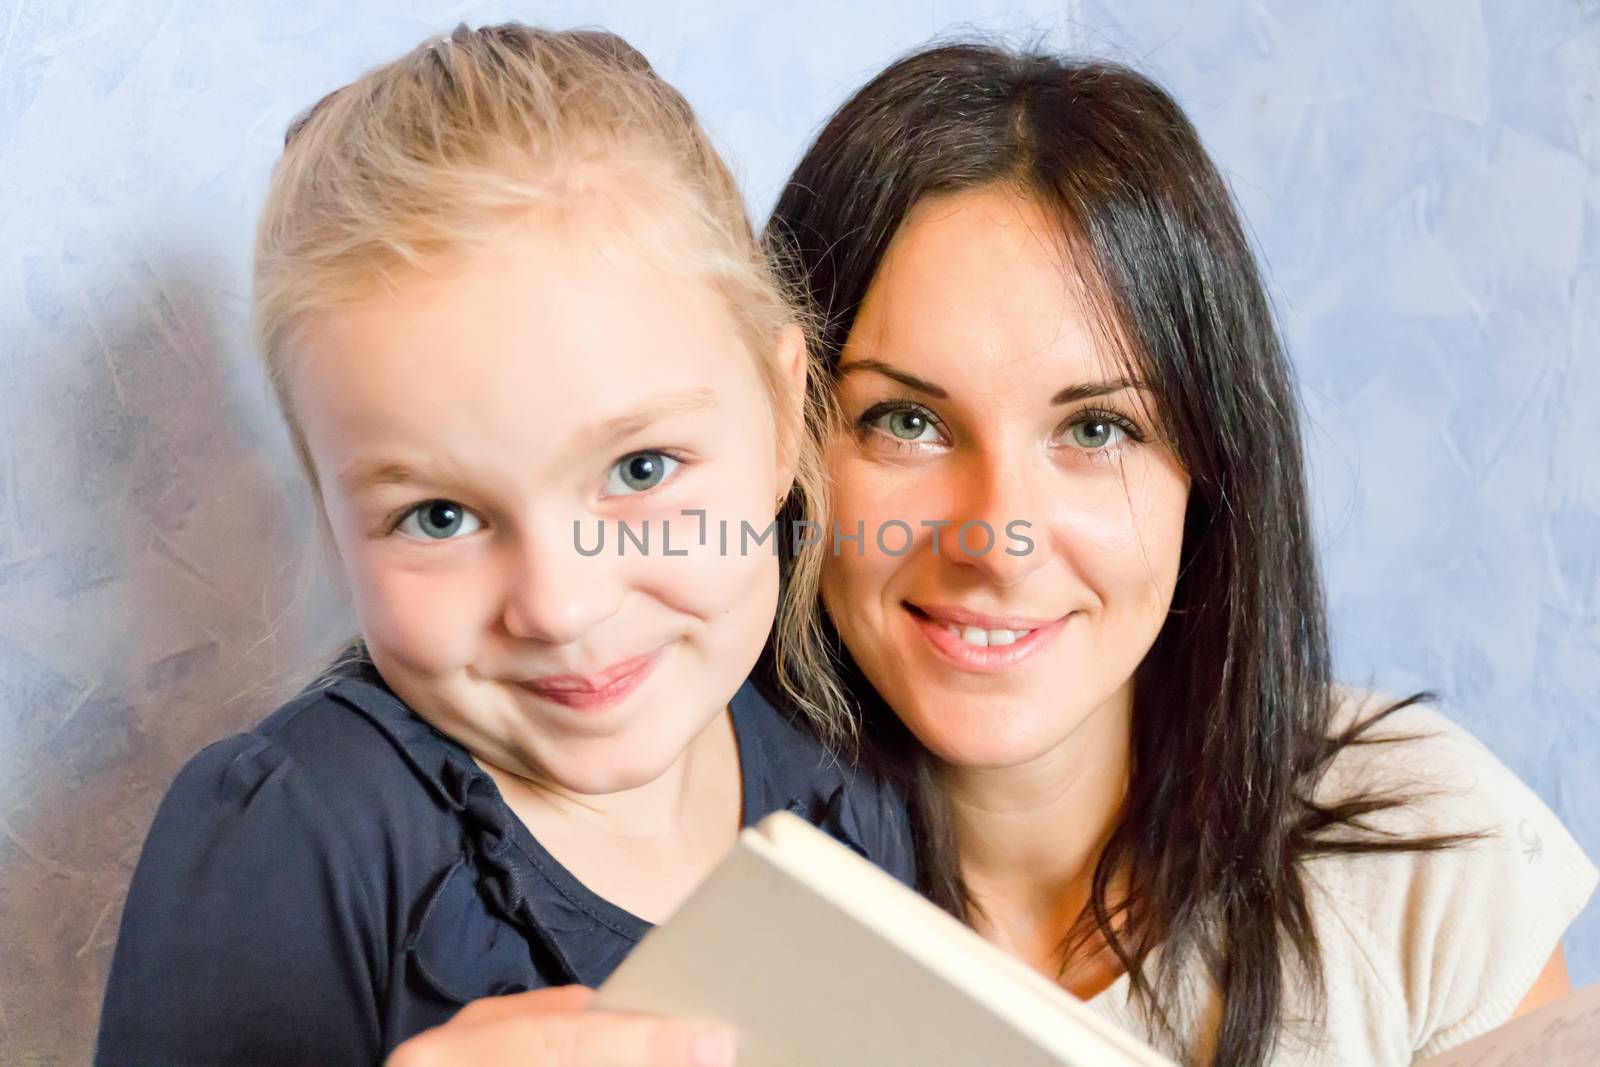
pixel 1423 180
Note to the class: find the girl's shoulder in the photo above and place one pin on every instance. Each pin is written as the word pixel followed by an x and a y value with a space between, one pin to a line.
pixel 787 768
pixel 1445 943
pixel 345 756
pixel 259 923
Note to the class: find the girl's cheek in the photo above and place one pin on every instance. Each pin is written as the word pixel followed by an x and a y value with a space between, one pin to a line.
pixel 429 621
pixel 735 565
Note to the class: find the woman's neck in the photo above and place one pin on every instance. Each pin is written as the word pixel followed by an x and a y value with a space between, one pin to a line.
pixel 1029 837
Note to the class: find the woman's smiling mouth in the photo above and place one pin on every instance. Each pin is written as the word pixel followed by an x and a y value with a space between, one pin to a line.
pixel 978 642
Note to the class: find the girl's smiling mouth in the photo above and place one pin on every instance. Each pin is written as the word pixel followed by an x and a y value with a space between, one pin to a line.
pixel 597 691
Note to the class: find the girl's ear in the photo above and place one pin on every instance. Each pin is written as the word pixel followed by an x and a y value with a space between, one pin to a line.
pixel 792 357
pixel 792 363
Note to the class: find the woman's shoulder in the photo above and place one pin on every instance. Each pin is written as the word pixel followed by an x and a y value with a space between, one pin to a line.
pixel 1449 780
pixel 1449 938
pixel 1453 781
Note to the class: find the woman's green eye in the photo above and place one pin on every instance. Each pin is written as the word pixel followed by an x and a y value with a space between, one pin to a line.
pixel 639 472
pixel 1093 434
pixel 905 424
pixel 439 520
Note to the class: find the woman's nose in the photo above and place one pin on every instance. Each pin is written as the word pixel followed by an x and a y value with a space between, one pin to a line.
pixel 990 526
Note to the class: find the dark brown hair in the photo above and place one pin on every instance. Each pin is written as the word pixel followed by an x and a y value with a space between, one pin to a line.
pixel 1234 704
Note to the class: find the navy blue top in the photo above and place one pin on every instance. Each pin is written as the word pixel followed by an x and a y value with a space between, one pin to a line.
pixel 345 876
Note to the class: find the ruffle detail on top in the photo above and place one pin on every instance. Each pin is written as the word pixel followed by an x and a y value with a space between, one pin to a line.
pixel 476 934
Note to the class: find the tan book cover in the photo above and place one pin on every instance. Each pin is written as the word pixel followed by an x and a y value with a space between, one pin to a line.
pixel 818 957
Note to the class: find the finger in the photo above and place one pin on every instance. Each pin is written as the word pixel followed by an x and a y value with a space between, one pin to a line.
pixel 556 999
pixel 588 1039
pixel 615 1039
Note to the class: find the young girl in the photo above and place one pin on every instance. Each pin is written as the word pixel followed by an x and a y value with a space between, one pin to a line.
pixel 510 302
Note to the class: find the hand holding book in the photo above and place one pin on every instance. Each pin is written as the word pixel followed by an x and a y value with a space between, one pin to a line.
pixel 557 1027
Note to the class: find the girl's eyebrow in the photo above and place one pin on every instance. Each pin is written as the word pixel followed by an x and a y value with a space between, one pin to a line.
pixel 606 434
pixel 370 475
pixel 598 436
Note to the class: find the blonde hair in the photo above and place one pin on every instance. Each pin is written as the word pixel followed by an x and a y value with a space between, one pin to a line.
pixel 423 160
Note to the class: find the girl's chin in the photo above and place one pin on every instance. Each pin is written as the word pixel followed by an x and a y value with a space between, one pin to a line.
pixel 596 774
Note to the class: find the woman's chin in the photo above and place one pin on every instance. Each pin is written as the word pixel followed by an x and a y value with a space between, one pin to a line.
pixel 989 739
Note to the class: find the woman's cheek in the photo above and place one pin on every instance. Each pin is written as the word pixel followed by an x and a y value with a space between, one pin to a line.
pixel 851 574
pixel 875 501
pixel 1125 539
pixel 1158 510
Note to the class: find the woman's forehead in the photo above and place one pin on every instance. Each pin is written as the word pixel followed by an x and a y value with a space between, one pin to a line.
pixel 978 282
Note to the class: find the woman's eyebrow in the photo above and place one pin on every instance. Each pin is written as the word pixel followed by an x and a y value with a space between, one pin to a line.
pixel 910 381
pixel 1086 390
pixel 1070 395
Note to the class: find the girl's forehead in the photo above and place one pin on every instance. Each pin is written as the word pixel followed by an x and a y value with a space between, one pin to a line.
pixel 535 309
pixel 532 338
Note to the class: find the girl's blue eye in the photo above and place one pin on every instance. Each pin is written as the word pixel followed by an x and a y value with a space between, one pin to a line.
pixel 439 520
pixel 638 472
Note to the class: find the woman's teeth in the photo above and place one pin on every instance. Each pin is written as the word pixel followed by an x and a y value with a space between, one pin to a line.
pixel 973 635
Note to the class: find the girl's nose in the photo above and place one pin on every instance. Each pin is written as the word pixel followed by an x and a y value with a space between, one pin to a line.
pixel 554 593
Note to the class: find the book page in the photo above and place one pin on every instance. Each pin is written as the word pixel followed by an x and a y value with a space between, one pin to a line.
pixel 1563 1034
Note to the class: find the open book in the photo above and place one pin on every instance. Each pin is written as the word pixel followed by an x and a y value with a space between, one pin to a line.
pixel 1563 1034
pixel 818 957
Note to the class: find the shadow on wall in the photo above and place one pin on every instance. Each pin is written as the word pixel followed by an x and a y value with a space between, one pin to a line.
pixel 160 585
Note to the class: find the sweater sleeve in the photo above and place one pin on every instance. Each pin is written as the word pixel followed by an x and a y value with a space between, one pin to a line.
pixel 1459 935
pixel 248 935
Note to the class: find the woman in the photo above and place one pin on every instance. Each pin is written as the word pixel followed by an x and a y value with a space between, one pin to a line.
pixel 1073 587
pixel 1128 761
